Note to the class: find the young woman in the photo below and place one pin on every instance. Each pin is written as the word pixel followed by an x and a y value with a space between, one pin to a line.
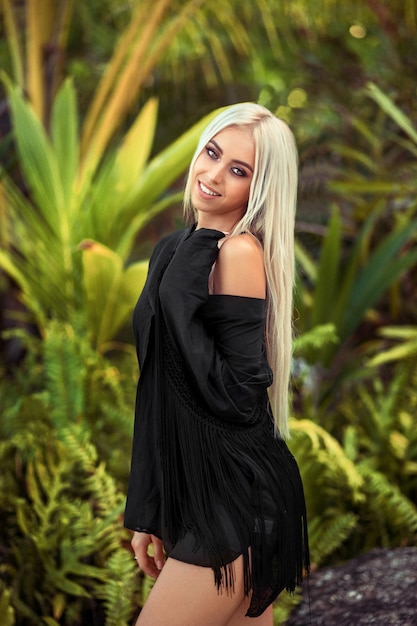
pixel 214 490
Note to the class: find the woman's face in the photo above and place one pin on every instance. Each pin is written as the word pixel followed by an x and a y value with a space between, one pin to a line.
pixel 223 173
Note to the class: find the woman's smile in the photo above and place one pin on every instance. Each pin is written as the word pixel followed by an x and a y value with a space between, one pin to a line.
pixel 206 190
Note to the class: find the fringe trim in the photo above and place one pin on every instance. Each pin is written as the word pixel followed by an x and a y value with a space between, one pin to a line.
pixel 221 480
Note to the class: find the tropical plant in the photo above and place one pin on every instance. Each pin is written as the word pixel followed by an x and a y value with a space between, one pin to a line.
pixel 368 453
pixel 68 380
pixel 38 35
pixel 406 347
pixel 62 534
pixel 7 612
pixel 37 50
pixel 353 505
pixel 64 546
pixel 71 238
pixel 377 426
pixel 341 289
pixel 383 164
pixel 69 235
pixel 77 189
pixel 333 479
pixel 356 275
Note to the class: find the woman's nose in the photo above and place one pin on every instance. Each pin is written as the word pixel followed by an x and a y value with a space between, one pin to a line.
pixel 216 172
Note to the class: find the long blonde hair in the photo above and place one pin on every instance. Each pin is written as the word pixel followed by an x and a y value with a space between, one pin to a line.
pixel 270 216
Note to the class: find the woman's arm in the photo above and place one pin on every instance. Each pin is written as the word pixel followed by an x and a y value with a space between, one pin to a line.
pixel 228 369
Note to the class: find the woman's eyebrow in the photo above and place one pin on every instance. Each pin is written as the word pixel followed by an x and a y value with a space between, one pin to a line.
pixel 235 160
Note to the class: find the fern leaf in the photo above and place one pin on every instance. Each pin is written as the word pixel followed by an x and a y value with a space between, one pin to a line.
pixel 118 586
pixel 392 508
pixel 327 538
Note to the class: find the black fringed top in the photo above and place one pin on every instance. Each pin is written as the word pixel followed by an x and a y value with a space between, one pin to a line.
pixel 208 475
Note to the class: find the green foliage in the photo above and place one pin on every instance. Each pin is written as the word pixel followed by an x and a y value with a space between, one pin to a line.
pixel 360 474
pixel 62 507
pixel 110 290
pixel 68 236
pixel 107 203
pixel 392 515
pixel 344 288
pixel 71 383
pixel 332 486
pixel 7 613
pixel 67 528
pixel 379 427
pixel 328 536
pixel 404 350
pixel 117 588
pixel 315 339
pixel 284 604
pixel 353 503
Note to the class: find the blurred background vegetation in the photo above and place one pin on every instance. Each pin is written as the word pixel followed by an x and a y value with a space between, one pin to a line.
pixel 101 105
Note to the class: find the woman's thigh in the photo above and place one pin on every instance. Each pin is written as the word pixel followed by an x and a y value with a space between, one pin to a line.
pixel 186 595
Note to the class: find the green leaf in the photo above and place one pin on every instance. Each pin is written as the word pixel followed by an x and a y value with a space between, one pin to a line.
pixel 134 152
pixel 49 621
pixel 7 612
pixel 64 132
pixel 304 259
pixel 392 110
pixel 69 586
pixel 7 264
pixel 141 219
pixel 38 159
pixel 349 275
pixel 381 270
pixel 328 272
pixel 372 187
pixel 315 338
pixel 111 290
pixel 399 332
pixel 405 350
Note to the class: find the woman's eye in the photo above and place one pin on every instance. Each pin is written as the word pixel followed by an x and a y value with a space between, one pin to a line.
pixel 212 153
pixel 238 171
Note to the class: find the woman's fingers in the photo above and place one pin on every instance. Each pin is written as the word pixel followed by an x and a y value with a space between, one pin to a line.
pixel 151 565
pixel 158 552
pixel 140 545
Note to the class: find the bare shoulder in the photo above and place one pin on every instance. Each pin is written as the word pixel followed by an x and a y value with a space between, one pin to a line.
pixel 239 269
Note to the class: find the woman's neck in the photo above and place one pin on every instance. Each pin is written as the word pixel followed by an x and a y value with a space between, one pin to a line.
pixel 216 223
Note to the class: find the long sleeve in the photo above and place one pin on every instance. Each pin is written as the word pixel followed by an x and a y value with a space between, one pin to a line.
pixel 143 314
pixel 225 361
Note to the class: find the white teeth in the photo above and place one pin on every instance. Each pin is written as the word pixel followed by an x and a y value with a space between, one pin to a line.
pixel 207 190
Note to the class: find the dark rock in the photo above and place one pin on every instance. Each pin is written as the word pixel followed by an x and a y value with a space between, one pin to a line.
pixel 378 588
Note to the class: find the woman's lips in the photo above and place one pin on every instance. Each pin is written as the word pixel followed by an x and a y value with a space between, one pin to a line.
pixel 207 190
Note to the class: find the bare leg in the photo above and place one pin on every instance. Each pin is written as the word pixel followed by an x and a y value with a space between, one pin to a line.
pixel 185 595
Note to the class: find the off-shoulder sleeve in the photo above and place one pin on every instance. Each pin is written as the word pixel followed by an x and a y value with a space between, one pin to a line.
pixel 220 338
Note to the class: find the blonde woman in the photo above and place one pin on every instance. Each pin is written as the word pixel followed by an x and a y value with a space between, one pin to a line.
pixel 213 488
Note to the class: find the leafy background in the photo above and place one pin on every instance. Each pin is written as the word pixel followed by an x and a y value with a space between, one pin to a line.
pixel 102 103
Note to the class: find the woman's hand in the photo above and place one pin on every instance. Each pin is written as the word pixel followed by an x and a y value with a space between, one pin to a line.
pixel 151 565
